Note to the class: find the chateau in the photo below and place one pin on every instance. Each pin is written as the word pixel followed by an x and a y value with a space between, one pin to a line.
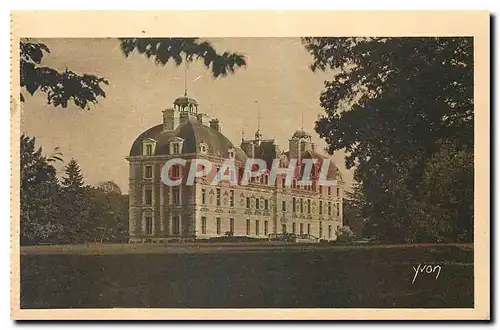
pixel 159 212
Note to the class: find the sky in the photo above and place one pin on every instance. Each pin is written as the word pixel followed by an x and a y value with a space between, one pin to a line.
pixel 276 83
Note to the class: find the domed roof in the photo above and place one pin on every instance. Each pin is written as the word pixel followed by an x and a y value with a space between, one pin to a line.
pixel 193 133
pixel 184 100
pixel 301 134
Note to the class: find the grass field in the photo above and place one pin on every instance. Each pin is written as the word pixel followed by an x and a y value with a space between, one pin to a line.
pixel 245 275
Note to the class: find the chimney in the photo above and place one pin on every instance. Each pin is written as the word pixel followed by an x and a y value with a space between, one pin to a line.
pixel 203 119
pixel 214 124
pixel 169 120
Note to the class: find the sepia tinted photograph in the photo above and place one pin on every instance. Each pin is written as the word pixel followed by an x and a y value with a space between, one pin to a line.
pixel 303 172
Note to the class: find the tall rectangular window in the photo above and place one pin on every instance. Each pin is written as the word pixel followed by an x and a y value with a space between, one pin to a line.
pixel 203 196
pixel 176 148
pixel 149 149
pixel 301 205
pixel 203 225
pixel 257 227
pixel 257 203
pixel 149 225
pixel 176 171
pixel 329 231
pixel 148 172
pixel 309 206
pixel 231 198
pixel 176 196
pixel 248 202
pixel 320 207
pixel 293 228
pixel 338 192
pixel 148 196
pixel 294 205
pixel 283 205
pixel 329 208
pixel 265 228
pixel 266 204
pixel 218 196
pixel 283 182
pixel 248 227
pixel 301 226
pixel 231 225
pixel 175 225
pixel 320 229
pixel 329 190
pixel 338 209
pixel 309 228
pixel 218 226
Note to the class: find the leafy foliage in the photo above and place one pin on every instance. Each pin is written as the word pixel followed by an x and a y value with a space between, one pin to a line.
pixel 392 104
pixel 344 234
pixel 60 87
pixel 163 50
pixel 67 211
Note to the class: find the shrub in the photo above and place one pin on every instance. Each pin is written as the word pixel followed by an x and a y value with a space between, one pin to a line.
pixel 344 234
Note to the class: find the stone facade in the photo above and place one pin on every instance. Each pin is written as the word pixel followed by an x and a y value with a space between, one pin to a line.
pixel 161 213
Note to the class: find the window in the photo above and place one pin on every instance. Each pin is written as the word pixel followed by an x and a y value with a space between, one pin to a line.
pixel 265 228
pixel 257 203
pixel 283 205
pixel 248 227
pixel 231 198
pixel 301 228
pixel 148 196
pixel 329 191
pixel 338 209
pixel 329 231
pixel 294 205
pixel 203 196
pixel 301 205
pixel 329 208
pixel 176 148
pixel 149 149
pixel 266 204
pixel 338 192
pixel 176 171
pixel 149 225
pixel 257 227
pixel 218 226
pixel 283 182
pixel 294 183
pixel 283 228
pixel 231 225
pixel 203 225
pixel 309 206
pixel 176 225
pixel 218 196
pixel 294 228
pixel 320 207
pixel 248 202
pixel 320 229
pixel 308 228
pixel 176 198
pixel 148 172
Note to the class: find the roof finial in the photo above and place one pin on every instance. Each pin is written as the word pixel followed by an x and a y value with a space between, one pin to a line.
pixel 185 79
pixel 242 134
pixel 302 123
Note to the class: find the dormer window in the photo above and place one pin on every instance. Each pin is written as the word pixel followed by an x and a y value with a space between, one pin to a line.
pixel 231 153
pixel 203 148
pixel 148 147
pixel 176 145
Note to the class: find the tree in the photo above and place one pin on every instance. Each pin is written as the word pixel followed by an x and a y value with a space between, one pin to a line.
pixel 84 89
pixel 74 178
pixel 39 192
pixel 60 87
pixel 74 204
pixel 391 104
pixel 162 50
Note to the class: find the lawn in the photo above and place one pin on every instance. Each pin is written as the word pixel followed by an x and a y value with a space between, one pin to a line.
pixel 245 275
